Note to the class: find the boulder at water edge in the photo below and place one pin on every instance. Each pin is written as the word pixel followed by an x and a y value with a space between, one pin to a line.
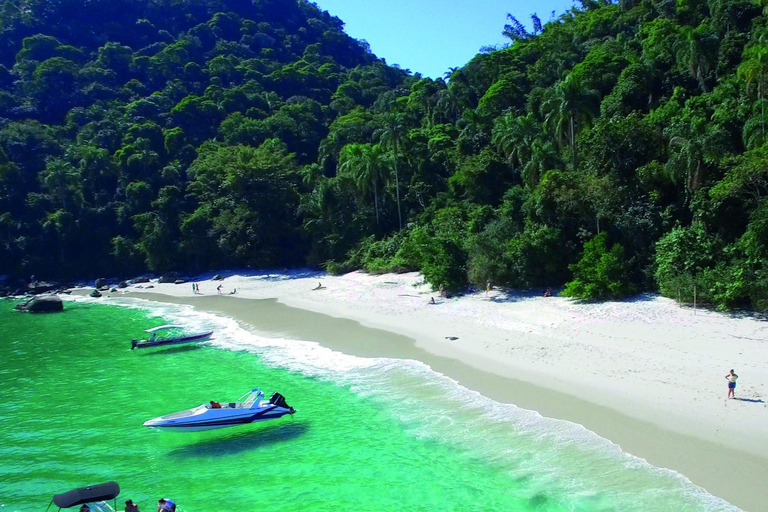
pixel 95 293
pixel 101 282
pixel 42 304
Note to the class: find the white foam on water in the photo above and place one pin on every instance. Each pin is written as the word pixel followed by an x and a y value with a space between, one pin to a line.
pixel 554 457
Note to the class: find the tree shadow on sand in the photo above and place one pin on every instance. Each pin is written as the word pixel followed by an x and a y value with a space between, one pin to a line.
pixel 751 400
pixel 242 442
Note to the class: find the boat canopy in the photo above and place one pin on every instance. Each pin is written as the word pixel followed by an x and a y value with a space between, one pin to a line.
pixel 164 328
pixel 90 494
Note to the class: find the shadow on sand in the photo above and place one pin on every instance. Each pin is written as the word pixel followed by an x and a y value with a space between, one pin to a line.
pixel 751 400
pixel 243 441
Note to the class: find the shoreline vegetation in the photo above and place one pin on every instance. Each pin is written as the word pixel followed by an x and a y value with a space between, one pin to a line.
pixel 645 373
pixel 616 149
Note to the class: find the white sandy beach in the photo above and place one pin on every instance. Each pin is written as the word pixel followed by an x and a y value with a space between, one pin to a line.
pixel 648 358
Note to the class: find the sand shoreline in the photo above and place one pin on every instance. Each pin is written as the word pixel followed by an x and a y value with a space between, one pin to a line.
pixel 731 464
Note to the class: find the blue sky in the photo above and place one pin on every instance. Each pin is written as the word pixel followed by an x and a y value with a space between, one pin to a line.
pixel 430 36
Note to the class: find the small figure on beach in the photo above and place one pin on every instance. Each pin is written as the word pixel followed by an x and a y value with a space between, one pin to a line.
pixel 432 301
pixel 130 506
pixel 441 290
pixel 194 288
pixel 548 292
pixel 234 291
pixel 218 289
pixel 215 405
pixel 487 287
pixel 319 286
pixel 166 505
pixel 731 378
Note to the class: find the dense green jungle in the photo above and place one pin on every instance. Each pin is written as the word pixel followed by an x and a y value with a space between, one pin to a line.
pixel 620 147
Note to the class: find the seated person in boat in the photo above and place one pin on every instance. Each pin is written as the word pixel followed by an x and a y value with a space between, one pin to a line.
pixel 215 405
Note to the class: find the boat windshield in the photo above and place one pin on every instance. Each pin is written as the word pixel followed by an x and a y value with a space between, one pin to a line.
pixel 101 506
pixel 164 328
pixel 252 396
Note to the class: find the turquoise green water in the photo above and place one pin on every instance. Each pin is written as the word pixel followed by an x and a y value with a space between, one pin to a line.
pixel 369 434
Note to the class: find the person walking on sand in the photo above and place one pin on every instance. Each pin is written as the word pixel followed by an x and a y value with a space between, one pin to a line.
pixel 487 287
pixel 442 290
pixel 731 378
pixel 218 288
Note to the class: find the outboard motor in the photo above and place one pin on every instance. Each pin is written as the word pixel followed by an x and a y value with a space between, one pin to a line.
pixel 279 400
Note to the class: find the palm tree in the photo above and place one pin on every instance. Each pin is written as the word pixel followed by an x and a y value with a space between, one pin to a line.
pixel 754 70
pixel 570 106
pixel 691 52
pixel 390 136
pixel 543 157
pixel 365 163
pixel 513 135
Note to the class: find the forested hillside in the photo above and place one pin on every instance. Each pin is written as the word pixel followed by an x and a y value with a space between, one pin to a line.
pixel 620 147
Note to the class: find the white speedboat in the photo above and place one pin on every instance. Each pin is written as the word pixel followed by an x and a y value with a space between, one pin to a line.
pixel 174 336
pixel 248 409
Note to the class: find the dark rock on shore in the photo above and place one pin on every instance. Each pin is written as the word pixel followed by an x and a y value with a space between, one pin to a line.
pixel 218 277
pixel 170 277
pixel 95 293
pixel 122 284
pixel 100 283
pixel 40 287
pixel 137 280
pixel 179 281
pixel 42 304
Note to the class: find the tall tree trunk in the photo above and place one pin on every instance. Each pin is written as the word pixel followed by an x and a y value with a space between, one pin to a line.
pixel 397 188
pixel 376 201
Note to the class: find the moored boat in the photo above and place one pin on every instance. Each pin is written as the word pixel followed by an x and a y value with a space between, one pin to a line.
pixel 175 337
pixel 94 497
pixel 249 408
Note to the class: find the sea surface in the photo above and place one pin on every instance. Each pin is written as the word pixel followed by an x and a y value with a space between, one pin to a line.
pixel 369 434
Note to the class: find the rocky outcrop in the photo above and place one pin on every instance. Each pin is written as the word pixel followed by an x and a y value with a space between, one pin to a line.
pixel 170 277
pixel 100 283
pixel 122 284
pixel 137 280
pixel 95 293
pixel 217 277
pixel 42 304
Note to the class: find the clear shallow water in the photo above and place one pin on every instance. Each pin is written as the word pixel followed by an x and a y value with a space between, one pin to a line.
pixel 369 435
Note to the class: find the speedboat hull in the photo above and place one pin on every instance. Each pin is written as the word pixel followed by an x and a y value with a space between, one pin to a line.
pixel 215 418
pixel 161 342
pixel 206 417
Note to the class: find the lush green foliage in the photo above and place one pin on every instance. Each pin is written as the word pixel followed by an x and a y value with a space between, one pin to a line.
pixel 210 133
pixel 601 273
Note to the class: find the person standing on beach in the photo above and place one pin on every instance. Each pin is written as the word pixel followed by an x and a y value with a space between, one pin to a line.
pixel 731 378
pixel 487 287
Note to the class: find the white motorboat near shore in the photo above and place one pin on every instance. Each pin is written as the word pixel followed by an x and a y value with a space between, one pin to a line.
pixel 176 337
pixel 249 408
